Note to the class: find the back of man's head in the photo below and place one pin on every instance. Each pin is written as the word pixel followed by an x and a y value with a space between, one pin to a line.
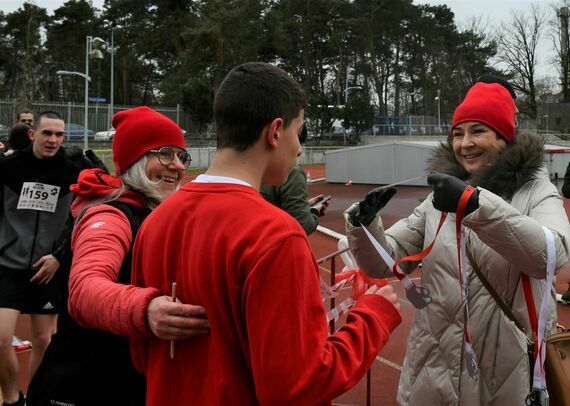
pixel 499 80
pixel 250 97
pixel 46 114
pixel 18 138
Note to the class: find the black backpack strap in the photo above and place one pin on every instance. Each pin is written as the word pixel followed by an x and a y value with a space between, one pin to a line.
pixel 135 217
pixel 80 360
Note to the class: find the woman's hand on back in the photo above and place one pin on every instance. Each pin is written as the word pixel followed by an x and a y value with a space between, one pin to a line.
pixel 170 320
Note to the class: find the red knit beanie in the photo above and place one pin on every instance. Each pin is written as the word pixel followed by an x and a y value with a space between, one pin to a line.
pixel 490 104
pixel 139 130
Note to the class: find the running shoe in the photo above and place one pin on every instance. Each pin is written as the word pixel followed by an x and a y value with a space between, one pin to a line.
pixel 20 345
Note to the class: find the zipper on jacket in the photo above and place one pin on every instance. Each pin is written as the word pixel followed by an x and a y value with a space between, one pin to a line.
pixel 531 347
pixel 35 239
pixel 461 360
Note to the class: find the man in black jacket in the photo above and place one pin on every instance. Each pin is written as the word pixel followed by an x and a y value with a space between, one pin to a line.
pixel 34 206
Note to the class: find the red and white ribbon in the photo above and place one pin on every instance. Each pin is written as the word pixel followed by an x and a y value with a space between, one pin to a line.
pixel 539 381
pixel 469 353
pixel 360 282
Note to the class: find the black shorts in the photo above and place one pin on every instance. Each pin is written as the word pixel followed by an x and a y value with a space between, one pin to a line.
pixel 17 292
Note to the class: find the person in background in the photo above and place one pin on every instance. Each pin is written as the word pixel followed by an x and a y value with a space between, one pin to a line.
pixel 512 201
pixel 35 196
pixel 293 196
pixel 250 265
pixel 25 116
pixel 18 139
pixel 88 361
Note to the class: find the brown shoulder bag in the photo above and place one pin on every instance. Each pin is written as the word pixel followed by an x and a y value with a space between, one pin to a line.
pixel 558 367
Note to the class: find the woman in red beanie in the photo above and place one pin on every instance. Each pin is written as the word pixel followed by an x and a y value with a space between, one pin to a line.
pixel 88 361
pixel 503 221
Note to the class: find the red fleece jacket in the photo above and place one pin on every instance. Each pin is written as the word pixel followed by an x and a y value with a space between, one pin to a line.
pixel 250 265
pixel 100 241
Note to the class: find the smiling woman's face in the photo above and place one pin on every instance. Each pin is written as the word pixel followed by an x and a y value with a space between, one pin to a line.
pixel 169 175
pixel 475 145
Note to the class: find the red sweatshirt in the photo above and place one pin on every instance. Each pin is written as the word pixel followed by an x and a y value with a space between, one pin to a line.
pixel 250 265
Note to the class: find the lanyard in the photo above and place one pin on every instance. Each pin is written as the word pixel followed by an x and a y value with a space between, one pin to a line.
pixel 468 353
pixel 539 325
pixel 417 295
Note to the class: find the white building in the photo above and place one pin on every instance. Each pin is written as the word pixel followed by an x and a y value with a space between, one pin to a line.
pixel 406 162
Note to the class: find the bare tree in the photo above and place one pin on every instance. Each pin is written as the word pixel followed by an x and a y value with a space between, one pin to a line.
pixel 560 34
pixel 518 45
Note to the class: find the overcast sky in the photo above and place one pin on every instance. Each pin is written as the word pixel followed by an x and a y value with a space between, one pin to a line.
pixel 488 9
pixel 463 9
pixel 491 12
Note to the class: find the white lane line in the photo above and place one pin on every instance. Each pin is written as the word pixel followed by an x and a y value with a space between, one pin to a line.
pixel 330 233
pixel 389 363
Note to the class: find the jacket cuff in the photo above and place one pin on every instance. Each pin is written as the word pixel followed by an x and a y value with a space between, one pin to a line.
pixel 59 253
pixel 150 294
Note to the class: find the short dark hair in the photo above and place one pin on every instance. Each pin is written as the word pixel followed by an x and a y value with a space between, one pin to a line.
pixel 24 111
pixel 251 96
pixel 47 114
pixel 18 138
pixel 499 80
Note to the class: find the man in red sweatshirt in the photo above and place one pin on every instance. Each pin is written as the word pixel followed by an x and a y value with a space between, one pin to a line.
pixel 249 264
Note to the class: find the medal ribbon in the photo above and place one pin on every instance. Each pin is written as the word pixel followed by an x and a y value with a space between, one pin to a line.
pixel 360 282
pixel 538 325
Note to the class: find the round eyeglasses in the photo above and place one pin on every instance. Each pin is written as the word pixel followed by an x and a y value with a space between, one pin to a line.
pixel 166 156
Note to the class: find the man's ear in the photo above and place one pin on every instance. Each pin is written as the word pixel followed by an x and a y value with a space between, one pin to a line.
pixel 31 134
pixel 273 129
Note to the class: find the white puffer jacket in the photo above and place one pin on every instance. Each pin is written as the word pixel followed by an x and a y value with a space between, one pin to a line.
pixel 505 238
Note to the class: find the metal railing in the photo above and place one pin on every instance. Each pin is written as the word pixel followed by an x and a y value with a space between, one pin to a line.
pixel 99 114
pixel 332 258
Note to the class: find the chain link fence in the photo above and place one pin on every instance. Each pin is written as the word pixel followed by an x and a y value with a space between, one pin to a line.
pixel 98 114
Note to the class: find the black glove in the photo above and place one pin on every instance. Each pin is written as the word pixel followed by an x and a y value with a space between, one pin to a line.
pixel 447 191
pixel 371 205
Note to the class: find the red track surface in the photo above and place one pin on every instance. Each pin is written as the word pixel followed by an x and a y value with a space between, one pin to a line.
pixel 385 371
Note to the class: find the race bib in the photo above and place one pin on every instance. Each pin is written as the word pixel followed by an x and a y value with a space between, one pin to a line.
pixel 38 196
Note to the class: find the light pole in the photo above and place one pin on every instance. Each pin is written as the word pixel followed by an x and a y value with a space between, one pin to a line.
pixel 348 69
pixel 112 89
pixel 91 51
pixel 346 89
pixel 87 80
pixel 346 92
pixel 438 109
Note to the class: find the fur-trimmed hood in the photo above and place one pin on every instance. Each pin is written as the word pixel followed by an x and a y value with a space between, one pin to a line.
pixel 515 166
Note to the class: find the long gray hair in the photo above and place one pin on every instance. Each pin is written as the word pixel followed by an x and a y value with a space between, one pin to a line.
pixel 134 178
